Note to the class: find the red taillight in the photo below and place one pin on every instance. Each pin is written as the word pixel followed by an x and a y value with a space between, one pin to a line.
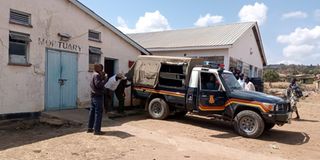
pixel 221 66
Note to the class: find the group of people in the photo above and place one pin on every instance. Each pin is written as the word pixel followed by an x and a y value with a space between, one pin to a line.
pixel 102 85
pixel 245 83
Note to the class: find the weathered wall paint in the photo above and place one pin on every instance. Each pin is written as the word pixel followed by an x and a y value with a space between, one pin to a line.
pixel 22 88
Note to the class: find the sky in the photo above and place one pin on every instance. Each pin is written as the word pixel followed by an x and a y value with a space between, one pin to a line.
pixel 290 29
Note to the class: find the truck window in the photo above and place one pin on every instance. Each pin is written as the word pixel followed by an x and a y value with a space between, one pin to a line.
pixel 209 81
pixel 172 75
pixel 231 81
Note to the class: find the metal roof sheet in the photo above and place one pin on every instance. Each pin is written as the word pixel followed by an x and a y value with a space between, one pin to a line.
pixel 221 35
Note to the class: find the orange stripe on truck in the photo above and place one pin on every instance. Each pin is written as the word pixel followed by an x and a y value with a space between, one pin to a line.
pixel 235 101
pixel 176 94
pixel 208 108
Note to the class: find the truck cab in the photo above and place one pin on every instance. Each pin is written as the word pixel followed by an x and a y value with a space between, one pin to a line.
pixel 216 92
pixel 170 85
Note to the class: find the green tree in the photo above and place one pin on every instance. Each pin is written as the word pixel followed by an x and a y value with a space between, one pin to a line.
pixel 271 76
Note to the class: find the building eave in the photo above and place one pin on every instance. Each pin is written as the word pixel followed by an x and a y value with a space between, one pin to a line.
pixel 259 43
pixel 189 48
pixel 109 26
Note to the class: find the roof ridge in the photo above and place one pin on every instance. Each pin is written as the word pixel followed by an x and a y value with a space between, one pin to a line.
pixel 194 28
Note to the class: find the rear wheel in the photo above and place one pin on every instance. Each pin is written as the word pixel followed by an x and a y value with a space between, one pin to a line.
pixel 249 124
pixel 158 108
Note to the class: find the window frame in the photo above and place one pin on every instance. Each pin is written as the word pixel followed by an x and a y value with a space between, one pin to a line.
pixel 12 21
pixel 27 48
pixel 93 53
pixel 220 88
pixel 94 39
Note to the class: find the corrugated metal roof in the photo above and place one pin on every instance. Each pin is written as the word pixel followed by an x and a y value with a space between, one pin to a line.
pixel 221 35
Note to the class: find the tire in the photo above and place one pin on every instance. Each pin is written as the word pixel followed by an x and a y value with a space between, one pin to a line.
pixel 158 109
pixel 268 126
pixel 249 124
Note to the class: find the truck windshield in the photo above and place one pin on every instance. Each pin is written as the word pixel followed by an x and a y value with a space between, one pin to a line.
pixel 231 81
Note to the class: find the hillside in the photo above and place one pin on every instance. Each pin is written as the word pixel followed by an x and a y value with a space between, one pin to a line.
pixel 294 69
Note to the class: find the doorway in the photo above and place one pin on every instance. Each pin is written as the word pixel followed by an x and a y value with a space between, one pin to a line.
pixel 61 80
pixel 110 69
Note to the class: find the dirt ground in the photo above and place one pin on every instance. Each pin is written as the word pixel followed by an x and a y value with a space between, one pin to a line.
pixel 138 137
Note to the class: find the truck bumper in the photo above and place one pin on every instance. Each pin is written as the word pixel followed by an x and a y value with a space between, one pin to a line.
pixel 278 118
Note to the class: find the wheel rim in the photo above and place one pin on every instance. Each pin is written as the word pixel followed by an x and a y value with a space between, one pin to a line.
pixel 156 109
pixel 248 124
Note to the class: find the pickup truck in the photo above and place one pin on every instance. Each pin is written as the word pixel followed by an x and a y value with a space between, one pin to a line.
pixel 177 85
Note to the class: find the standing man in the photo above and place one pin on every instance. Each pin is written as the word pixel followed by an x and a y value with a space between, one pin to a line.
pixel 241 80
pixel 248 86
pixel 97 83
pixel 120 94
pixel 295 94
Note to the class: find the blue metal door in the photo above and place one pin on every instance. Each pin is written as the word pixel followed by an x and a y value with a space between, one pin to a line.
pixel 61 80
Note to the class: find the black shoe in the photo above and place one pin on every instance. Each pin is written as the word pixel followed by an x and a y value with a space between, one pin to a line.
pixel 98 133
pixel 90 130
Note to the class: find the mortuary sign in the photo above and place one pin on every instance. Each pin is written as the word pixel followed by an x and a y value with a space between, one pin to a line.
pixel 59 44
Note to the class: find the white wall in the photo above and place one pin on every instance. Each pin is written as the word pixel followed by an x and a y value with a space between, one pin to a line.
pixel 241 50
pixel 194 53
pixel 22 88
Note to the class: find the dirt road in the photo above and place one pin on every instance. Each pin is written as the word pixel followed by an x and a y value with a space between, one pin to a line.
pixel 141 138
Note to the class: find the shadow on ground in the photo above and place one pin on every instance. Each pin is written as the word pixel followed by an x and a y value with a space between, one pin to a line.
pixel 274 135
pixel 36 132
pixel 119 134
pixel 23 132
pixel 19 136
pixel 305 120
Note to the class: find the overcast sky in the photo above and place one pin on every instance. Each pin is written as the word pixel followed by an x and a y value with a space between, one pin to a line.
pixel 290 29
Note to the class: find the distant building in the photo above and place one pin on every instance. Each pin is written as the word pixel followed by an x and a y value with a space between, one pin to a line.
pixel 47 52
pixel 235 45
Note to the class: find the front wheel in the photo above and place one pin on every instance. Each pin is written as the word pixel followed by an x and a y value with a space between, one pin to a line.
pixel 158 108
pixel 249 124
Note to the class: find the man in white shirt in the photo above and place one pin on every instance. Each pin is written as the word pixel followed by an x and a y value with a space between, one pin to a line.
pixel 248 86
pixel 241 80
pixel 111 86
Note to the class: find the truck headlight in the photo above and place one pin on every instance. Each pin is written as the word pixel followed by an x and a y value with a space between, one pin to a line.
pixel 269 106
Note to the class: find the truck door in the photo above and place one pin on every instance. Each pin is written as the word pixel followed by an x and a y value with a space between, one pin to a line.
pixel 210 94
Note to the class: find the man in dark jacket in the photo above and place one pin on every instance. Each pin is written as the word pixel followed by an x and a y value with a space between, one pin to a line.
pixel 120 94
pixel 98 81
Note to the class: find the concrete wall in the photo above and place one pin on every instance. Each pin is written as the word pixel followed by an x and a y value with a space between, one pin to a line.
pixel 22 88
pixel 241 50
pixel 197 53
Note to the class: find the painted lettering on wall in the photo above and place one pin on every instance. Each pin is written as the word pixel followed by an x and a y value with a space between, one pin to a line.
pixel 59 44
